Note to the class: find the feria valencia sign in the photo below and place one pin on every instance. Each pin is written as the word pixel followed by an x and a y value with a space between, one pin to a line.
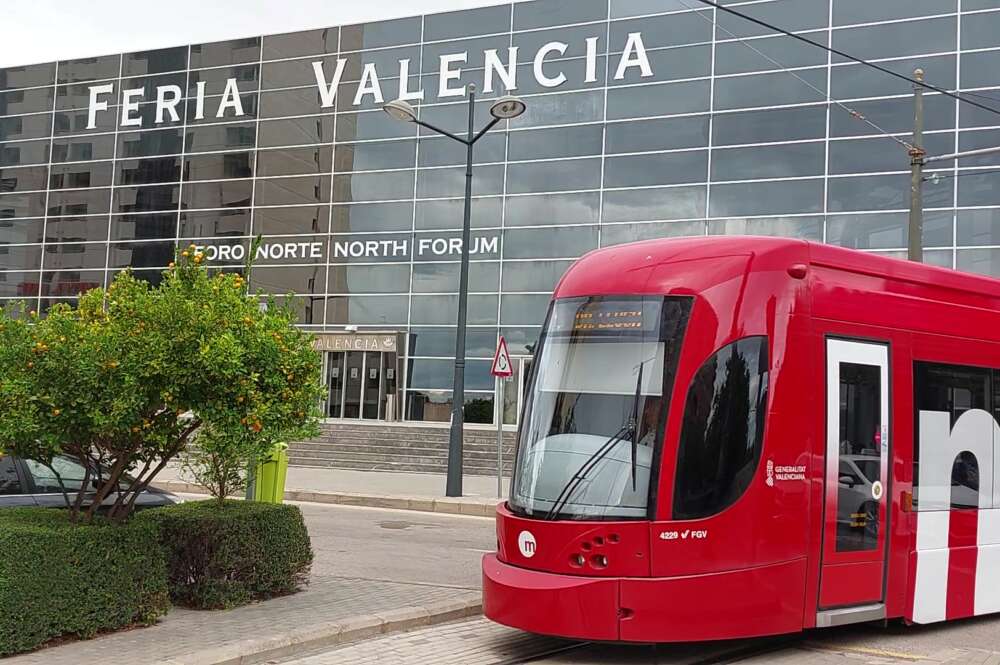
pixel 500 71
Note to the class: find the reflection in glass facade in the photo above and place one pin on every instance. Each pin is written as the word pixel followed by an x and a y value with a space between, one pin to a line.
pixel 646 119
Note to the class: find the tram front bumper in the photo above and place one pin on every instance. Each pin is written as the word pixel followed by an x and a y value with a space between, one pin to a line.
pixel 759 601
pixel 550 604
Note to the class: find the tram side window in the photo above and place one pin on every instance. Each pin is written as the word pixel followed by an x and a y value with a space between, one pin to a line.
pixel 723 430
pixel 951 389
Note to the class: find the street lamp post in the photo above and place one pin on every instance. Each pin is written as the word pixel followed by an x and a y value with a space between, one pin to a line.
pixel 506 108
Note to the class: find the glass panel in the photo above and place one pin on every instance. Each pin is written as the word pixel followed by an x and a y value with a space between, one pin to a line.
pixel 303 219
pixel 846 12
pixel 898 39
pixel 27 76
pixel 372 217
pixel 367 310
pixel 218 167
pixel 353 381
pixel 656 169
pixel 373 386
pixel 152 62
pixel 795 124
pixel 654 204
pixel 776 161
pixel 451 25
pixel 225 53
pixel 856 80
pixel 666 30
pixel 18 102
pixel 579 208
pixel 617 234
pixel 147 199
pixel 792 15
pixel 9 481
pixel 448 213
pixel 658 134
pixel 860 463
pixel 435 406
pixel 658 100
pixel 761 55
pixel 598 407
pixel 22 127
pixel 47 480
pixel 17 154
pixel 767 198
pixel 553 12
pixel 770 89
pixel 723 432
pixel 348 279
pixel 23 180
pixel 951 390
pixel 571 174
pixel 298 131
pixel 295 44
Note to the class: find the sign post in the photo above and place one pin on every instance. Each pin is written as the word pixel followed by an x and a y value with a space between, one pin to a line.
pixel 502 369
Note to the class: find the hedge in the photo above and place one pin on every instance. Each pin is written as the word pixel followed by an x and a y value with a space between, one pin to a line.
pixel 60 580
pixel 223 556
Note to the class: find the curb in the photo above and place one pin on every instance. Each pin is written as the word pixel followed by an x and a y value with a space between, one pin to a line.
pixel 473 507
pixel 331 633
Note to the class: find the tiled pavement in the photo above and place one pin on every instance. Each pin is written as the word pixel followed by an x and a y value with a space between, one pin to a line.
pixel 480 642
pixel 189 637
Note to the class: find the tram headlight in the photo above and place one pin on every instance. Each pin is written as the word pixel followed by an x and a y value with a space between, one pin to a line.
pixel 577 560
pixel 599 561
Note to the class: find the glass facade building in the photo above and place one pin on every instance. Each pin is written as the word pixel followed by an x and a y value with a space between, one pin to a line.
pixel 646 119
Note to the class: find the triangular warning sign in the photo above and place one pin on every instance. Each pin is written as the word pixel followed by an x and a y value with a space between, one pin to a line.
pixel 502 367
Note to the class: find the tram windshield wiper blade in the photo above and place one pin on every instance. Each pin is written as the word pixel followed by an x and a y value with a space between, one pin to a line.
pixel 631 427
pixel 635 422
pixel 581 474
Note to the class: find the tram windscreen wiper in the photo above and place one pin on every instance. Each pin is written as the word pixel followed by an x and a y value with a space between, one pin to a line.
pixel 635 421
pixel 631 427
pixel 581 474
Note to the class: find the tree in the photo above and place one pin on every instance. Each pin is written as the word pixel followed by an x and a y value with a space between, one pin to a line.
pixel 123 382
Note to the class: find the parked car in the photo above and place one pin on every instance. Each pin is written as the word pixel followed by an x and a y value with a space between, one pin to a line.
pixel 25 482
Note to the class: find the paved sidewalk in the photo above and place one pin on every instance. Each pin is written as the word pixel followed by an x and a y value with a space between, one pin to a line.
pixel 331 611
pixel 400 491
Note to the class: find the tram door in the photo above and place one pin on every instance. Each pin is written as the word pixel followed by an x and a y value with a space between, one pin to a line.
pixel 857 483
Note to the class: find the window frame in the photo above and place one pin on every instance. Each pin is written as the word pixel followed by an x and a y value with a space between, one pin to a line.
pixel 22 477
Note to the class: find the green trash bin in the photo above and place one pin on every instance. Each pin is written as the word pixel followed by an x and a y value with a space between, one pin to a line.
pixel 269 476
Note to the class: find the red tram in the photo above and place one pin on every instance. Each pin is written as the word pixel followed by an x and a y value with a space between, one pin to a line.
pixel 734 437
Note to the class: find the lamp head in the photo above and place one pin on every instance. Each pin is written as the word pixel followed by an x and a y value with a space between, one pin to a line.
pixel 508 108
pixel 401 110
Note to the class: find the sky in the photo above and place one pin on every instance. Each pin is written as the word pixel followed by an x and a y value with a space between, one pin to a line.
pixel 35 31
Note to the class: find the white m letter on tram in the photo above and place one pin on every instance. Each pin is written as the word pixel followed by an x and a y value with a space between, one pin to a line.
pixel 941 447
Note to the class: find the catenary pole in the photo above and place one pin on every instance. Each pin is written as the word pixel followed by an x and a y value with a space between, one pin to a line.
pixel 917 155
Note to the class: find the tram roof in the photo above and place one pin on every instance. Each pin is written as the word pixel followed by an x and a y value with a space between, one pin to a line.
pixel 814 254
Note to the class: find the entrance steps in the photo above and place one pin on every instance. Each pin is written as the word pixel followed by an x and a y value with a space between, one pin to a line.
pixel 399 447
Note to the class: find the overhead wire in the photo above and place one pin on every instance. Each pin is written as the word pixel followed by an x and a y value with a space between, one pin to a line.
pixel 842 54
pixel 939 176
pixel 853 112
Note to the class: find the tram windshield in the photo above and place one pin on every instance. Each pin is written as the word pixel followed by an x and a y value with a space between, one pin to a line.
pixel 597 407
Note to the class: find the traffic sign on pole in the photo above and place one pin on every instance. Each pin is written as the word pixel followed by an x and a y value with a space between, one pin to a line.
pixel 502 367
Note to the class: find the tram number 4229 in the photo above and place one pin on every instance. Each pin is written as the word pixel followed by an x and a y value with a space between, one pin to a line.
pixel 688 534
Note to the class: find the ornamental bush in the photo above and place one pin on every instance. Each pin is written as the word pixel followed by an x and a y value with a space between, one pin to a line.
pixel 124 381
pixel 222 555
pixel 59 579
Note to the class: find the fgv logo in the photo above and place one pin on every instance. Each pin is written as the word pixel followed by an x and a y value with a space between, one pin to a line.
pixel 526 543
pixel 958 517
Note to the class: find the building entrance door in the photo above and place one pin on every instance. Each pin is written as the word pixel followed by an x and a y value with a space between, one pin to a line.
pixel 362 385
